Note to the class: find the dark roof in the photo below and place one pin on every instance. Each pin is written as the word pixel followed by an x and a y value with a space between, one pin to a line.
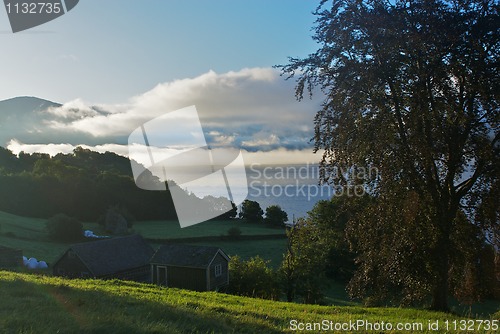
pixel 110 256
pixel 186 255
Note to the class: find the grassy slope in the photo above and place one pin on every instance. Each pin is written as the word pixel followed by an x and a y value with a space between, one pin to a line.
pixel 29 235
pixel 38 304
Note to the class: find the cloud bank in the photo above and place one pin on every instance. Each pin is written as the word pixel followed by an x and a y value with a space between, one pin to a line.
pixel 251 109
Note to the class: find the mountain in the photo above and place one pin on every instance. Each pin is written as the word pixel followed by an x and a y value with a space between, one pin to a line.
pixel 31 120
pixel 25 104
pixel 24 118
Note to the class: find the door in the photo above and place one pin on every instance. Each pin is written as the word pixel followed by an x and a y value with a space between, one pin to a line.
pixel 161 277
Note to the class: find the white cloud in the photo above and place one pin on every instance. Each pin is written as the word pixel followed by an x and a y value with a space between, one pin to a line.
pixel 278 156
pixel 252 109
pixel 52 149
pixel 270 140
pixel 238 105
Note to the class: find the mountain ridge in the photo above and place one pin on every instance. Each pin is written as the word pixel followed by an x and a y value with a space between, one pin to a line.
pixel 26 102
pixel 31 120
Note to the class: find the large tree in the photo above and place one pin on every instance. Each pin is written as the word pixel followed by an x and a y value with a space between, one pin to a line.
pixel 412 90
pixel 251 211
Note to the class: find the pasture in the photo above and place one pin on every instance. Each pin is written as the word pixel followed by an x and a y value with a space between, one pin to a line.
pixel 29 235
pixel 41 304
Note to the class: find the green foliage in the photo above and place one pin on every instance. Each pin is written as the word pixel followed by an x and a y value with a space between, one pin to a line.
pixel 116 217
pixel 411 92
pixel 332 217
pixel 7 161
pixel 82 184
pixel 275 216
pixel 253 278
pixel 63 228
pixel 251 211
pixel 303 266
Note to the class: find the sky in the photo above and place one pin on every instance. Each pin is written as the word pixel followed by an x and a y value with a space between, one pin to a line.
pixel 116 64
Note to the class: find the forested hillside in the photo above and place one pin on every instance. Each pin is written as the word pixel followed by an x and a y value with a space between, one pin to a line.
pixel 82 184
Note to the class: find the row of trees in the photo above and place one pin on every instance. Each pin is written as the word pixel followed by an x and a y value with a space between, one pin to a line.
pixel 253 213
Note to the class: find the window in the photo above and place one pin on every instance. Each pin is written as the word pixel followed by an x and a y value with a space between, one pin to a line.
pixel 218 270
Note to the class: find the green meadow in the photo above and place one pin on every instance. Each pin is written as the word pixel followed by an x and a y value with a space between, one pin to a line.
pixel 172 230
pixel 59 305
pixel 29 235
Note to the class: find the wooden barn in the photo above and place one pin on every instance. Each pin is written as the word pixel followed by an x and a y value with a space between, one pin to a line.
pixel 124 258
pixel 198 268
pixel 10 257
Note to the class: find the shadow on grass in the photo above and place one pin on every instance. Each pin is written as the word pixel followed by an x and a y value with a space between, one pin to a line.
pixel 27 307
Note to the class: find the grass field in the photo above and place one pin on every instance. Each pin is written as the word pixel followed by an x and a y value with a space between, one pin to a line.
pixel 40 304
pixel 172 230
pixel 29 235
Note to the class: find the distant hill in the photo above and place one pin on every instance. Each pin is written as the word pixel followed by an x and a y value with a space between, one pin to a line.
pixel 29 120
pixel 24 104
pixel 82 184
pixel 24 118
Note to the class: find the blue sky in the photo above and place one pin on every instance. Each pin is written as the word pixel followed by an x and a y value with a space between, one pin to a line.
pixel 108 51
pixel 116 64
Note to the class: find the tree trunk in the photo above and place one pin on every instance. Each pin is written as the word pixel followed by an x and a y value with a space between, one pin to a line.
pixel 289 294
pixel 440 293
pixel 442 263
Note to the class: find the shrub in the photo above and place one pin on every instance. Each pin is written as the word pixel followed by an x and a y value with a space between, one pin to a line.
pixel 234 232
pixel 253 278
pixel 64 228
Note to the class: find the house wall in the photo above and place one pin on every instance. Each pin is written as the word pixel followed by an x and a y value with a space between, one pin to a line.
pixel 217 282
pixel 141 274
pixel 71 266
pixel 187 278
pixel 183 278
pixel 10 257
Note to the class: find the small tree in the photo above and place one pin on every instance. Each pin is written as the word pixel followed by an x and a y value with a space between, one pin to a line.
pixel 234 232
pixel 275 216
pixel 251 211
pixel 116 220
pixel 332 217
pixel 64 228
pixel 303 266
pixel 253 278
